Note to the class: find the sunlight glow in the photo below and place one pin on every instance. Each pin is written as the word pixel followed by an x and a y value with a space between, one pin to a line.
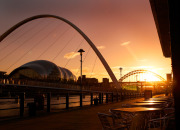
pixel 146 77
pixel 149 77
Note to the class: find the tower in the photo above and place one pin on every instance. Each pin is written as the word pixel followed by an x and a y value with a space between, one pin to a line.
pixel 120 72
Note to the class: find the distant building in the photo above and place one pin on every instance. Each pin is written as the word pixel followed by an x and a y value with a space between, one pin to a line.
pixel 3 76
pixel 42 70
pixel 105 82
pixel 92 80
pixel 87 81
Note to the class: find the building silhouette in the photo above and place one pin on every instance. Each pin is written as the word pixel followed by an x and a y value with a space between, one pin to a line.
pixel 42 70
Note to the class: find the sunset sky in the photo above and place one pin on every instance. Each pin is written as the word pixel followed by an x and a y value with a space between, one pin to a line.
pixel 123 30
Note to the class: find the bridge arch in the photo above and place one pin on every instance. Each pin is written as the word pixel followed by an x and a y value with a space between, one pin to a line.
pixel 138 72
pixel 108 69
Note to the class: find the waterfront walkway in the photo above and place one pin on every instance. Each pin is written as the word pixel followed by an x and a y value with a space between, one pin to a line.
pixel 85 118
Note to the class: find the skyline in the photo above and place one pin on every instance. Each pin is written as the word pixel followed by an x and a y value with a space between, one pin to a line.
pixel 124 32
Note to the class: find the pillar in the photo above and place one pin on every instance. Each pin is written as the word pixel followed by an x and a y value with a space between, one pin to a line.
pixel 48 102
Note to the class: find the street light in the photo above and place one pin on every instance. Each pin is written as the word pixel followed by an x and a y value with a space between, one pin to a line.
pixel 81 51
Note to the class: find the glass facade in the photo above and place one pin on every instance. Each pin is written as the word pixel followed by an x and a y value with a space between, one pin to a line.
pixel 42 70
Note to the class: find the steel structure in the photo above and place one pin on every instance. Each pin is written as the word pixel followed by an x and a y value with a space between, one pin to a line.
pixel 135 72
pixel 108 69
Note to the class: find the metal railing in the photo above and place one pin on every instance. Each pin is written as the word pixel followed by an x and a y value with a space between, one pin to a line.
pixel 32 101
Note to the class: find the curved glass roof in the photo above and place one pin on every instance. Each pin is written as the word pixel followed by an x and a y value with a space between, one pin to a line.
pixel 42 69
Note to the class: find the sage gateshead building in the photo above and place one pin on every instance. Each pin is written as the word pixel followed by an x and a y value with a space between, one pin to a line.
pixel 42 70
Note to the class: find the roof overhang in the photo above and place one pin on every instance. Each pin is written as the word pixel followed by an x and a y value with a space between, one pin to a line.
pixel 160 12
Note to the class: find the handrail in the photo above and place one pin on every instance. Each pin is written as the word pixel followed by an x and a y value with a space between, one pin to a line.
pixel 66 100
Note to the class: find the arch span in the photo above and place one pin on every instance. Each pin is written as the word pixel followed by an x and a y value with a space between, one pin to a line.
pixel 138 72
pixel 108 69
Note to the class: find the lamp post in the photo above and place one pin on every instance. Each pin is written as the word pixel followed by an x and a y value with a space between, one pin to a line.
pixel 81 51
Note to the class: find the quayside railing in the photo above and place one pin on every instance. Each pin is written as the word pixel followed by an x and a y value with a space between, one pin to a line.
pixel 21 101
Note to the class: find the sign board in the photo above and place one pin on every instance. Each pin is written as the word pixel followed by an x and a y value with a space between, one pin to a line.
pixel 168 77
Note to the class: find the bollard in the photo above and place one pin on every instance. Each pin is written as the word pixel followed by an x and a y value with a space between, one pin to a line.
pixel 48 102
pixel 22 104
pixel 96 101
pixel 39 101
pixel 32 108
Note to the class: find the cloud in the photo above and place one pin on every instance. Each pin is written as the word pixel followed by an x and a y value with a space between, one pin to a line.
pixel 129 49
pixel 101 47
pixel 125 43
pixel 71 55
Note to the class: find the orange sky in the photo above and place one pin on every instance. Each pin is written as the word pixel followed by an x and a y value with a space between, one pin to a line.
pixel 123 30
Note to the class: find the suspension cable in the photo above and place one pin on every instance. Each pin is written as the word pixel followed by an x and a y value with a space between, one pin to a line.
pixel 2 49
pixel 86 54
pixel 21 45
pixel 93 67
pixel 30 50
pixel 74 51
pixel 19 30
pixel 53 43
pixel 63 48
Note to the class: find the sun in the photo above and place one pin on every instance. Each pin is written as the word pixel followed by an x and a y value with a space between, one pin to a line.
pixel 149 77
